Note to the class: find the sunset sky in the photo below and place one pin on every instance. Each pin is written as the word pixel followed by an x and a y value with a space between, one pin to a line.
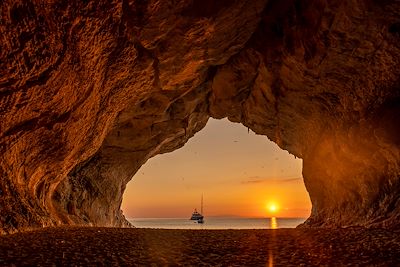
pixel 239 174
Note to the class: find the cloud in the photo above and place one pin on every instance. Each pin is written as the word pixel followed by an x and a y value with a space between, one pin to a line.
pixel 253 181
pixel 255 177
pixel 288 180
pixel 258 180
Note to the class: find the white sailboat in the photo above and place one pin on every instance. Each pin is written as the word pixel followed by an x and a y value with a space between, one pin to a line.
pixel 196 216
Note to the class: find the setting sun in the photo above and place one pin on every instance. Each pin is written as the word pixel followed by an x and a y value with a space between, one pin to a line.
pixel 272 207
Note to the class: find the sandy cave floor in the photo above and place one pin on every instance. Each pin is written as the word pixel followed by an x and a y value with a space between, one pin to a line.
pixel 83 246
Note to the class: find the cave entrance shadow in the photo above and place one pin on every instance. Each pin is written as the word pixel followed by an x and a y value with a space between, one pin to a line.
pixel 247 182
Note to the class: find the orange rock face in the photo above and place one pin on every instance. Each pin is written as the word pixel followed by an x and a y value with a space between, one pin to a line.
pixel 89 90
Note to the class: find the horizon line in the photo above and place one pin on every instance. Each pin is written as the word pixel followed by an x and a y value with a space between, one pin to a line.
pixel 221 216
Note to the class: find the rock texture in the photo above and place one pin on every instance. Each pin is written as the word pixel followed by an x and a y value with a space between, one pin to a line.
pixel 89 90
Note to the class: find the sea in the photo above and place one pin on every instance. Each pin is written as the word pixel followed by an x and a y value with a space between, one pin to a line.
pixel 217 223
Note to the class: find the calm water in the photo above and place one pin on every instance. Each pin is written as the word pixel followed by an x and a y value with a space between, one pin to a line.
pixel 217 223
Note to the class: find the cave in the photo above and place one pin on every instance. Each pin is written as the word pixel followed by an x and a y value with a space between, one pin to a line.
pixel 90 90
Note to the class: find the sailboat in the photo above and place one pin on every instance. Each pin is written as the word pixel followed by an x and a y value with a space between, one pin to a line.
pixel 196 216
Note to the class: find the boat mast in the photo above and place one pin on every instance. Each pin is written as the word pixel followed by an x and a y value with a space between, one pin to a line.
pixel 201 212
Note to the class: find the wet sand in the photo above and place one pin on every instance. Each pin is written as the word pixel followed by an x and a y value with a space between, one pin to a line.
pixel 75 246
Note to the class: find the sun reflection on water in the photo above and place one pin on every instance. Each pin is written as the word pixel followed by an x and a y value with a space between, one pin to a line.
pixel 274 223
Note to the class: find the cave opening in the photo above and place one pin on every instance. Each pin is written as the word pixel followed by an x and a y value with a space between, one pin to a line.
pixel 242 176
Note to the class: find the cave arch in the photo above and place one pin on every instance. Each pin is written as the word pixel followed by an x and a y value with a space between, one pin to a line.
pixel 90 90
pixel 238 172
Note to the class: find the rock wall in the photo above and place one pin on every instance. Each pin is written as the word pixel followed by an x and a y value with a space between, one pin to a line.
pixel 321 79
pixel 89 90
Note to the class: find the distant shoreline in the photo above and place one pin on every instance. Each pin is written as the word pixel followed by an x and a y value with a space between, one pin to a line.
pixel 217 223
pixel 231 217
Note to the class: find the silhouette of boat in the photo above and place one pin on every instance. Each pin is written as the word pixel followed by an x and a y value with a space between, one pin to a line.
pixel 196 216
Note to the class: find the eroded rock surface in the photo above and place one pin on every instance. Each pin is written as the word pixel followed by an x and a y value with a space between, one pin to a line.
pixel 89 90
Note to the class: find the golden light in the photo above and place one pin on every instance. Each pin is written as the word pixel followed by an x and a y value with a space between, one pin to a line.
pixel 272 207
